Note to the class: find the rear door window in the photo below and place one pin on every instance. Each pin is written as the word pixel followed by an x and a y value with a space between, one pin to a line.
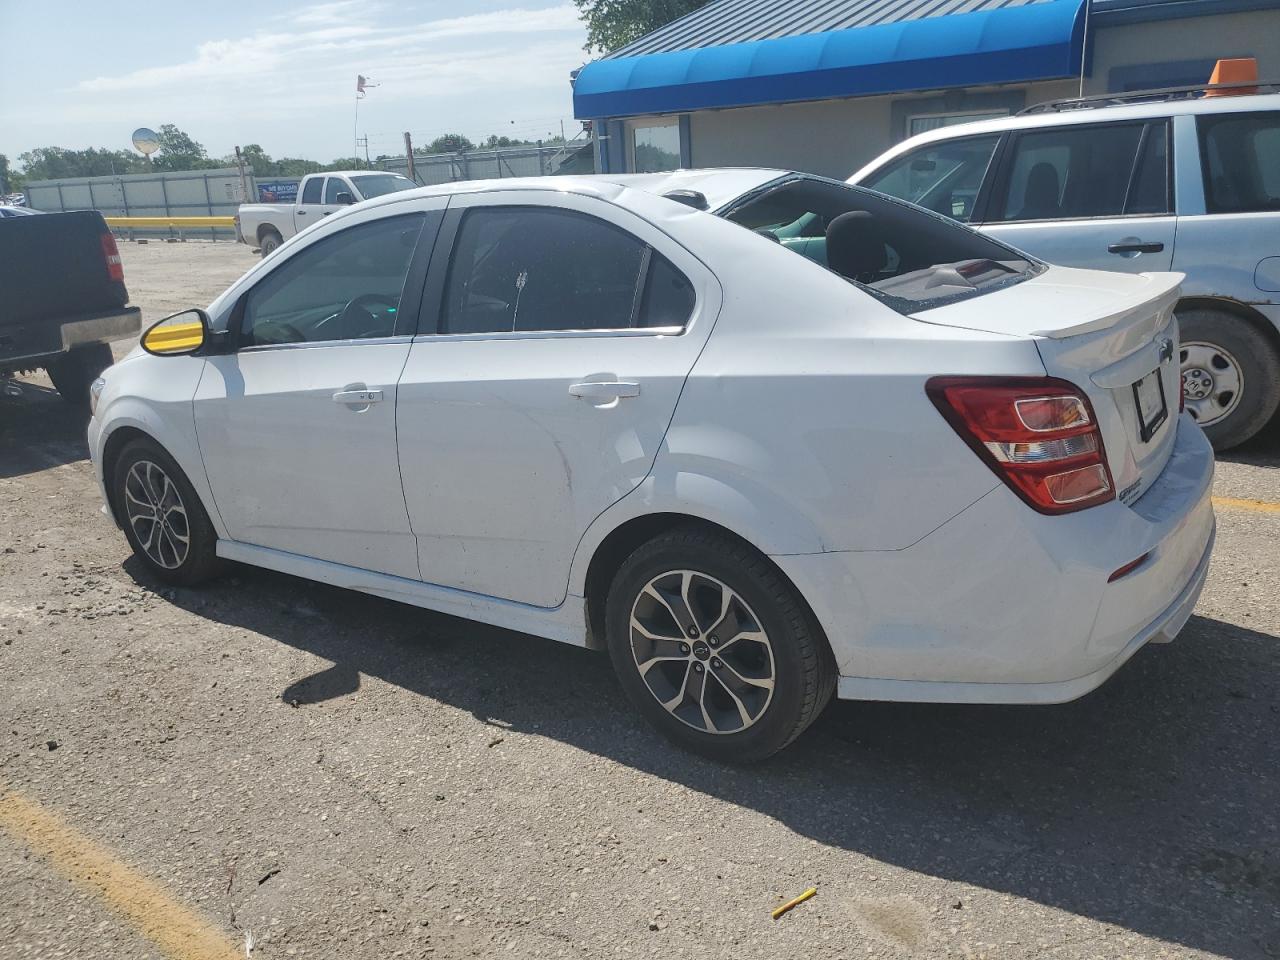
pixel 311 192
pixel 943 177
pixel 545 269
pixel 1240 157
pixel 1077 172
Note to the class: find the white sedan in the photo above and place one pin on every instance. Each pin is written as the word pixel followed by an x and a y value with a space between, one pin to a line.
pixel 763 436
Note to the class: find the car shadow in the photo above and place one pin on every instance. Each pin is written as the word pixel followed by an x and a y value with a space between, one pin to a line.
pixel 1151 804
pixel 39 430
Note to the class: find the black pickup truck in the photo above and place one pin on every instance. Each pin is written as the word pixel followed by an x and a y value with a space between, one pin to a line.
pixel 62 299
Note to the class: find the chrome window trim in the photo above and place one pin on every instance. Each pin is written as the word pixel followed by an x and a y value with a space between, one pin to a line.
pixel 264 347
pixel 554 334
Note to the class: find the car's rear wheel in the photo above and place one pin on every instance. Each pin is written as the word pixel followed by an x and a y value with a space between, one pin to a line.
pixel 269 243
pixel 1230 375
pixel 715 647
pixel 163 518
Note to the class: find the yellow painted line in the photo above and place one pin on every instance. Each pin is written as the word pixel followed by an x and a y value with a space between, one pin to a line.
pixel 153 222
pixel 176 930
pixel 1258 506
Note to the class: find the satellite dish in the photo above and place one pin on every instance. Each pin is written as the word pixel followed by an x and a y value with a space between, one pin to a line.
pixel 146 141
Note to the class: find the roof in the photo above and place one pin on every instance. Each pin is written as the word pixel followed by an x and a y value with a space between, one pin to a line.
pixel 1037 121
pixel 740 52
pixel 742 21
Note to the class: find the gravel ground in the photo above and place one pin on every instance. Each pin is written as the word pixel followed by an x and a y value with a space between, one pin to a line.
pixel 338 776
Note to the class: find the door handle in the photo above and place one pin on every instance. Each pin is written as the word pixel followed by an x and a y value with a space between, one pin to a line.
pixel 302 213
pixel 602 391
pixel 1136 246
pixel 360 398
pixel 325 213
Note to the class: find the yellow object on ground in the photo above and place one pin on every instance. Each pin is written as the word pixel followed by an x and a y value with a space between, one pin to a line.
pixel 795 901
pixel 177 931
pixel 1235 503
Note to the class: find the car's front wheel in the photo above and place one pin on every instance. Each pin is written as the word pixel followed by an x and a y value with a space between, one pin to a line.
pixel 162 516
pixel 714 646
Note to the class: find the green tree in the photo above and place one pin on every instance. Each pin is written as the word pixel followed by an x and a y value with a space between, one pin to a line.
pixel 615 23
pixel 53 163
pixel 179 151
pixel 450 143
pixel 258 159
pixel 8 181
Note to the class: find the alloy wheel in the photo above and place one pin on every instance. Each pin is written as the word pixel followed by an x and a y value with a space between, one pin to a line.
pixel 1212 381
pixel 157 515
pixel 702 652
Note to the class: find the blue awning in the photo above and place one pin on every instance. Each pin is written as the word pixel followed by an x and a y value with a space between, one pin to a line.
pixel 1036 41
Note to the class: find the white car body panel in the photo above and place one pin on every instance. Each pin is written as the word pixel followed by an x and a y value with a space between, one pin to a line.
pixel 798 421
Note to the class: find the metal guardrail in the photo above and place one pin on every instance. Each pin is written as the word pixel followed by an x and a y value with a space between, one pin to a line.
pixel 153 223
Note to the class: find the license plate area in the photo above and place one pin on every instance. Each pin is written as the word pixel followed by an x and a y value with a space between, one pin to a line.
pixel 1150 403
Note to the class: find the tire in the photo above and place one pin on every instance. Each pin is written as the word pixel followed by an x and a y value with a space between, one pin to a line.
pixel 143 463
pixel 1218 351
pixel 269 243
pixel 74 371
pixel 793 652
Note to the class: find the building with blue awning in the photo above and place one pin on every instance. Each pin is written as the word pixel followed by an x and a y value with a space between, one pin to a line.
pixel 827 85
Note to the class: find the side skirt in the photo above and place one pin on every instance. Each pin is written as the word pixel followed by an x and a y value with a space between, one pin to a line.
pixel 565 623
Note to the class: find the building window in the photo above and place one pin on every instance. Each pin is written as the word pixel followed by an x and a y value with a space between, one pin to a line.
pixel 655 146
pixel 924 122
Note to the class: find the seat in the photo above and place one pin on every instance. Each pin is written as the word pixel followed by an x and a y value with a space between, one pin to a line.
pixel 1041 200
pixel 855 248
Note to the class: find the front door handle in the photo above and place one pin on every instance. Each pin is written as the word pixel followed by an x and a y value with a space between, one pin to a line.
pixel 358 398
pixel 602 391
pixel 1136 246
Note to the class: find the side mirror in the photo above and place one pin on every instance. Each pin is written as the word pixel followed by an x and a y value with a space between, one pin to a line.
pixel 345 198
pixel 177 336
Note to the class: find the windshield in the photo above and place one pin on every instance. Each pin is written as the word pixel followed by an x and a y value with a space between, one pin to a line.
pixel 910 259
pixel 376 184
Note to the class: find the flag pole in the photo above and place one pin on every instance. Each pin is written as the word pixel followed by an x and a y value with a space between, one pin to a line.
pixel 355 132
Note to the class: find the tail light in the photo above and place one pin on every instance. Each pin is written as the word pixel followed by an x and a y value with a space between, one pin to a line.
pixel 111 254
pixel 1039 435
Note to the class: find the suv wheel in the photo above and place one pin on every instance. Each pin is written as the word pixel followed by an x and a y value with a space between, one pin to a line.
pixel 714 647
pixel 162 516
pixel 1230 375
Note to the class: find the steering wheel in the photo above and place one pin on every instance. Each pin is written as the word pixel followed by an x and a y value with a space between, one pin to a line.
pixel 357 327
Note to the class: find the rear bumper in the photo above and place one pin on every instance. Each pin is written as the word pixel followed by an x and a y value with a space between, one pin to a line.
pixel 1004 605
pixel 40 340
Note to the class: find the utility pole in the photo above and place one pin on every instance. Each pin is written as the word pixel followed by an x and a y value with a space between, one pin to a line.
pixel 244 180
pixel 408 155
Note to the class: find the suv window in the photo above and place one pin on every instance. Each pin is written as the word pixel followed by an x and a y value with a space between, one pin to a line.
pixel 311 192
pixel 943 177
pixel 1075 172
pixel 345 287
pixel 538 268
pixel 1240 154
pixel 334 186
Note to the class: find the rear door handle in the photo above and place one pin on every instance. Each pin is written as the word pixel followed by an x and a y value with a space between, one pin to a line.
pixel 358 397
pixel 600 391
pixel 1136 246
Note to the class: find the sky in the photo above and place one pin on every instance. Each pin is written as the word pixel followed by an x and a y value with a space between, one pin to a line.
pixel 283 74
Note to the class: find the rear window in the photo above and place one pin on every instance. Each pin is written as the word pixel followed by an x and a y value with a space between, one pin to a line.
pixel 908 258
pixel 1240 154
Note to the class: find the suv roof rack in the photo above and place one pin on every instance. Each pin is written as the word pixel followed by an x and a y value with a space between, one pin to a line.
pixel 1147 96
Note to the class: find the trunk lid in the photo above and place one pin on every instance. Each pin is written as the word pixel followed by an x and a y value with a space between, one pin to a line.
pixel 1114 336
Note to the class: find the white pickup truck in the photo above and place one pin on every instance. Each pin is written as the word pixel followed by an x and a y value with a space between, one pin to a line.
pixel 267 225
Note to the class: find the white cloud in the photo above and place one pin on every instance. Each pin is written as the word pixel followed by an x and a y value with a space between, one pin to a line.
pixel 333 46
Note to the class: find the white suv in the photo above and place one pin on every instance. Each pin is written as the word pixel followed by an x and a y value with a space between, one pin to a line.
pixel 1177 182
